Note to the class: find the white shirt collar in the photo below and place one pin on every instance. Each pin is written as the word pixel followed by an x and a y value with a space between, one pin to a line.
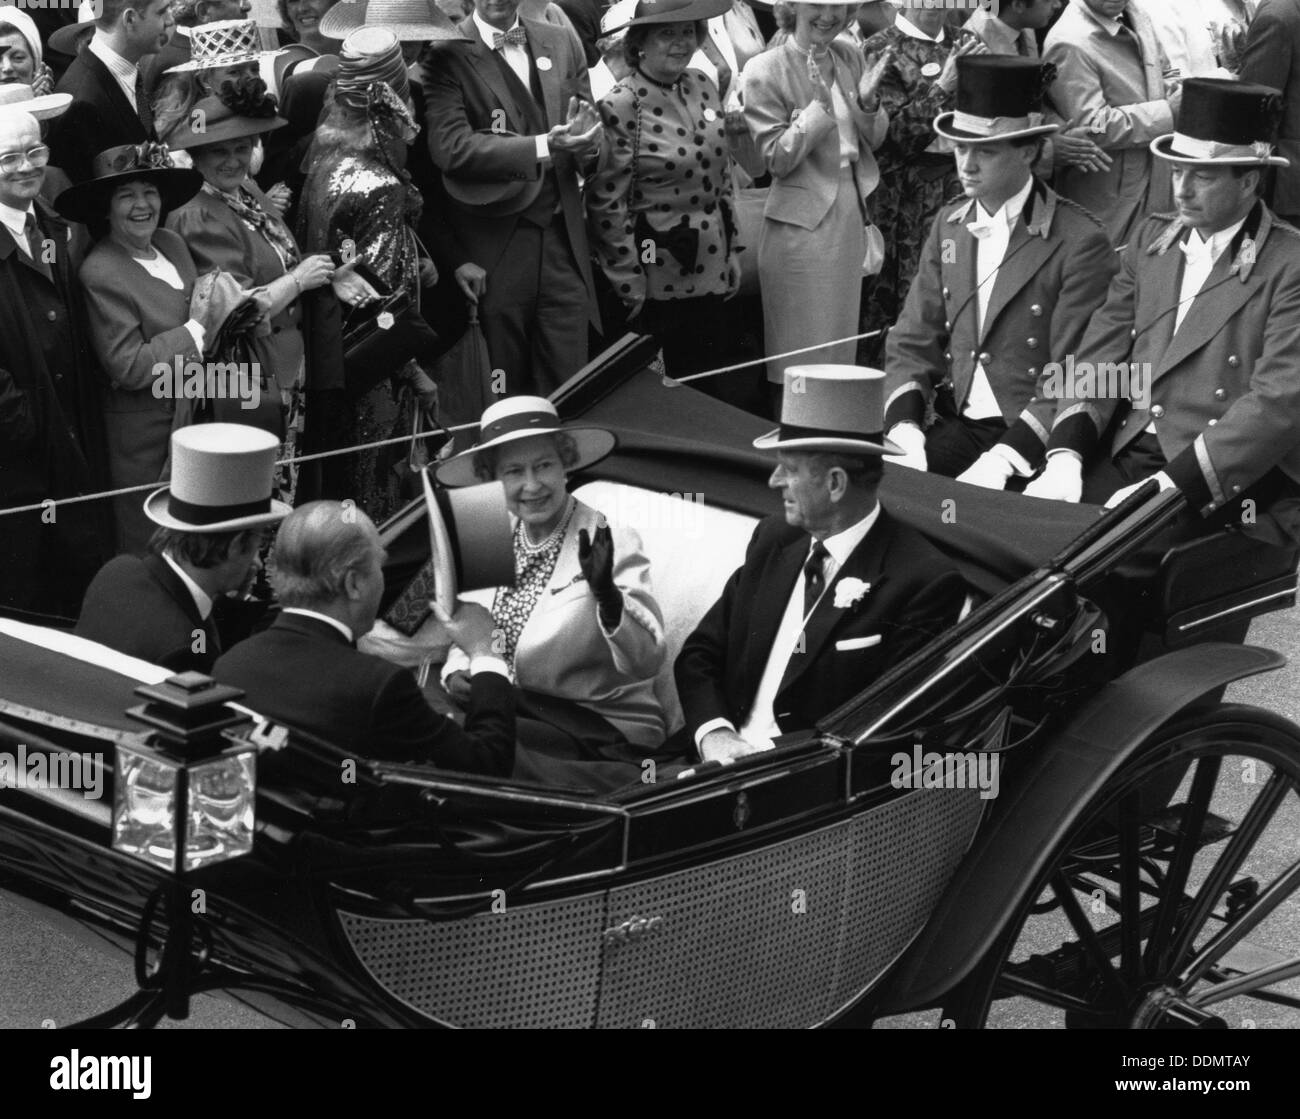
pixel 1011 209
pixel 345 630
pixel 200 596
pixel 907 27
pixel 16 221
pixel 487 31
pixel 1217 241
pixel 118 66
pixel 842 544
pixel 1112 27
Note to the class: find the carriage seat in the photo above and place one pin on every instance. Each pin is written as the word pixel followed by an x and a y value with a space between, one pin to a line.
pixel 693 549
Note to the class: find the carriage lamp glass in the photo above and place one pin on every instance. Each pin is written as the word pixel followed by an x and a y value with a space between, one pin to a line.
pixel 184 796
pixel 160 802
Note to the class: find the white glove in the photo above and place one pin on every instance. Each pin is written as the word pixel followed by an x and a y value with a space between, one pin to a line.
pixel 991 470
pixel 1061 479
pixel 912 439
pixel 1166 483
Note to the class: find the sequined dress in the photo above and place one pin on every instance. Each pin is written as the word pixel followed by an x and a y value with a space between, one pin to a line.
pixel 355 204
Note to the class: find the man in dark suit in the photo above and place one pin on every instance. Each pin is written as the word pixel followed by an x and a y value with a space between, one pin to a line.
pixel 1008 277
pixel 1271 57
pixel 305 670
pixel 109 104
pixel 830 595
pixel 51 413
pixel 172 606
pixel 510 126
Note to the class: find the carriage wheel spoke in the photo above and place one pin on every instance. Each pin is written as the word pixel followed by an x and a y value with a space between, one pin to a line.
pixel 1088 938
pixel 1246 984
pixel 1227 938
pixel 1130 888
pixel 1180 866
pixel 1257 818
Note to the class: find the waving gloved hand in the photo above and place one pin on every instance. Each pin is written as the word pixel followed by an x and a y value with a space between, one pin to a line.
pixel 596 558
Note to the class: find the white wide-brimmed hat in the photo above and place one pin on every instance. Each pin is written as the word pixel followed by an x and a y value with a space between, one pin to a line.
pixel 521 417
pixel 1225 122
pixel 412 21
pixel 831 408
pixel 223 476
pixel 21 98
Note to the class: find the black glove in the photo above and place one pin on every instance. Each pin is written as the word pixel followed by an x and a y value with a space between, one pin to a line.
pixel 596 558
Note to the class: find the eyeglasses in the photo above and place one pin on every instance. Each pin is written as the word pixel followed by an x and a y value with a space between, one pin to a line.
pixel 38 156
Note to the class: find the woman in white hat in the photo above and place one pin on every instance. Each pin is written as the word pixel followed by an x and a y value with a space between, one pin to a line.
pixel 813 108
pixel 580 628
pixel 21 59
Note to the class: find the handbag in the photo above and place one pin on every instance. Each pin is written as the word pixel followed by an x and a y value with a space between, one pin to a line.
pixel 381 337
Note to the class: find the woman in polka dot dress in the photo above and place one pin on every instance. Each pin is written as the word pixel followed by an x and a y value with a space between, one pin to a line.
pixel 659 212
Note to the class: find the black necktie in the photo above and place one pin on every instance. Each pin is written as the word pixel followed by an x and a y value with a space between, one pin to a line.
pixel 142 107
pixel 36 243
pixel 814 577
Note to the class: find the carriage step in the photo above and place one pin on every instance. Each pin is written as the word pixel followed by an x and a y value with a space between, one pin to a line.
pixel 1169 825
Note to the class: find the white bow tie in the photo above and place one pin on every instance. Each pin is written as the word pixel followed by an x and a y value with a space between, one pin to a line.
pixel 1196 250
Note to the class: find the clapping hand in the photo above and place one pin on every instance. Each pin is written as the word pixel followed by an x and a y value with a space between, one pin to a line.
pixel 1071 147
pixel 428 272
pixel 948 75
pixel 580 134
pixel 869 87
pixel 279 197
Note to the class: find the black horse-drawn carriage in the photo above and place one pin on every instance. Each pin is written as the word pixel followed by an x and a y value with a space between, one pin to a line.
pixel 1049 802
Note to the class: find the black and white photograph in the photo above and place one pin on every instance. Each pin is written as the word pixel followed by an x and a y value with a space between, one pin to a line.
pixel 651 514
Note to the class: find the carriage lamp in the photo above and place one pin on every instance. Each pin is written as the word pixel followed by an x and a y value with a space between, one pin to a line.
pixel 184 796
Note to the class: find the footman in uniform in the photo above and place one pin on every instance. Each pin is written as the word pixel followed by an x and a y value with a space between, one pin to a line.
pixel 1204 316
pixel 1009 276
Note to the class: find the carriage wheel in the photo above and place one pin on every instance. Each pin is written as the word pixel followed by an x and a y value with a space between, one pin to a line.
pixel 1173 903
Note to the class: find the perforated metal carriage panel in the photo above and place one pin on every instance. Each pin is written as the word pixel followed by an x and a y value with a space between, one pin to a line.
pixel 786 935
pixel 531 966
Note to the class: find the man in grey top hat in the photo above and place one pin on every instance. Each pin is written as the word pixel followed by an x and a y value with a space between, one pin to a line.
pixel 830 594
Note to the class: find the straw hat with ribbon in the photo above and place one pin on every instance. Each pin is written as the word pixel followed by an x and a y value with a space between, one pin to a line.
pixel 14 96
pixel 228 42
pixel 521 417
pixel 369 55
pixel 1224 122
pixel 412 21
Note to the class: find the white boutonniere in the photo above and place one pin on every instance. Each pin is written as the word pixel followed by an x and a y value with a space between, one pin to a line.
pixel 849 592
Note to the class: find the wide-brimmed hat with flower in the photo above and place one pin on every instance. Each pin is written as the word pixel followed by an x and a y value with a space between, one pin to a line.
pixel 227 42
pixel 522 417
pixel 21 97
pixel 239 111
pixel 125 163
pixel 412 21
pixel 1225 123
